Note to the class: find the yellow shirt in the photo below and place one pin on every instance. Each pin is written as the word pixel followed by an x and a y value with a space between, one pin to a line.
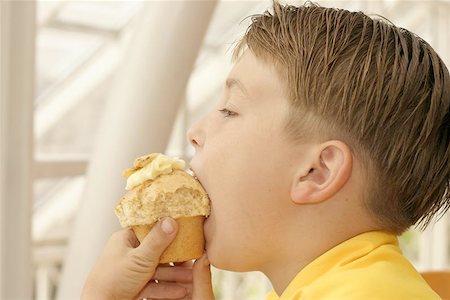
pixel 367 266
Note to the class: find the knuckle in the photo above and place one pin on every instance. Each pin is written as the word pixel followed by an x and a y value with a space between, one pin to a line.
pixel 143 262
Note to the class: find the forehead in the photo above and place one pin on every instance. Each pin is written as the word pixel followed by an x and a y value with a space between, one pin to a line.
pixel 259 79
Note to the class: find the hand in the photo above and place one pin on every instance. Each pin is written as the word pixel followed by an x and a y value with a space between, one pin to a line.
pixel 195 277
pixel 202 289
pixel 124 268
pixel 168 279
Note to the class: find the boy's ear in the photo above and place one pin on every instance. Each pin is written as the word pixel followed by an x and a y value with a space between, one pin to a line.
pixel 330 168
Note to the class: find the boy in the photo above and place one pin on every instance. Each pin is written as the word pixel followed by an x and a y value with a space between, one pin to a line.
pixel 331 138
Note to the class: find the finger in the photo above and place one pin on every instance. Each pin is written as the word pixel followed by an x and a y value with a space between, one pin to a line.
pixel 202 286
pixel 185 264
pixel 174 274
pixel 162 291
pixel 188 263
pixel 188 287
pixel 156 241
pixel 165 265
pixel 132 238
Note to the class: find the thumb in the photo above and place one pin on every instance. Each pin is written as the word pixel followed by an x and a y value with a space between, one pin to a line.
pixel 202 283
pixel 156 241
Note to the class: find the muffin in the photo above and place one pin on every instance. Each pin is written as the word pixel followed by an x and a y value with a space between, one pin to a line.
pixel 158 187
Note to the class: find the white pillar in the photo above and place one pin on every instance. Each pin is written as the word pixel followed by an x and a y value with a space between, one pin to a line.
pixel 141 111
pixel 17 51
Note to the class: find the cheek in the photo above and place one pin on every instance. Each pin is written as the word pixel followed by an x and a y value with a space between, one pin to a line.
pixel 245 191
pixel 244 163
pixel 245 186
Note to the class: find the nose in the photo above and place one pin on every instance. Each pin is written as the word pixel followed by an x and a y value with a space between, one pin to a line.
pixel 196 135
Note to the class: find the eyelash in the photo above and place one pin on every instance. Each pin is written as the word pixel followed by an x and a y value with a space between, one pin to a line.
pixel 227 113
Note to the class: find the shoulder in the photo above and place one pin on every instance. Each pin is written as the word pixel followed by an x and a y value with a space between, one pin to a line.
pixel 375 273
pixel 391 277
pixel 383 281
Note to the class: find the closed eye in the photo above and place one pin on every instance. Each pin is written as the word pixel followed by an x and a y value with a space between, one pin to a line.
pixel 227 113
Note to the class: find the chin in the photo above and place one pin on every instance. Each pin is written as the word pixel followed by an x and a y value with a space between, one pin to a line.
pixel 216 258
pixel 226 263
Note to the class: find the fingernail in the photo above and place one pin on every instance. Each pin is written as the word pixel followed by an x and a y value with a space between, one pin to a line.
pixel 167 226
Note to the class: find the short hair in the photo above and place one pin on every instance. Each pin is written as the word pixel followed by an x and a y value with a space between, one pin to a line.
pixel 379 88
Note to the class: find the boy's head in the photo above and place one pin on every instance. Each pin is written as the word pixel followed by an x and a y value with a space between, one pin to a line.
pixel 328 119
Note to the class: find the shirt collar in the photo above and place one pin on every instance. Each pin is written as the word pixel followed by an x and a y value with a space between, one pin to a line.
pixel 338 256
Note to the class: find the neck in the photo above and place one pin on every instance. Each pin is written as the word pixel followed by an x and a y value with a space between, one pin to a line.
pixel 307 242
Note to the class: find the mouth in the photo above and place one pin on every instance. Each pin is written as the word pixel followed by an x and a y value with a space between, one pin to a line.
pixel 191 172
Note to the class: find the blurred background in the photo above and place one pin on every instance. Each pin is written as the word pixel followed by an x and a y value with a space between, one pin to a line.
pixel 88 86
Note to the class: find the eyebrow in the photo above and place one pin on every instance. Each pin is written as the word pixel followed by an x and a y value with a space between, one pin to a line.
pixel 233 82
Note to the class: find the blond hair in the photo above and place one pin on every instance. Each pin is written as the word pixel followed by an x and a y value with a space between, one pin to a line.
pixel 379 88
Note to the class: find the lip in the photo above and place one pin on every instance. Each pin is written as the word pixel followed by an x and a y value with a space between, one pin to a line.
pixel 191 172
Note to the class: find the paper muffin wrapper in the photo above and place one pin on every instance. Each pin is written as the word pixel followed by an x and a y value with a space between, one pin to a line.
pixel 188 244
